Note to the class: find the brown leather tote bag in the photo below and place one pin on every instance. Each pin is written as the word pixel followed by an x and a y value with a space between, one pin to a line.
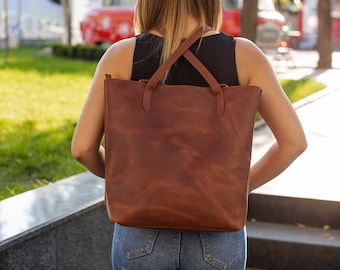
pixel 178 156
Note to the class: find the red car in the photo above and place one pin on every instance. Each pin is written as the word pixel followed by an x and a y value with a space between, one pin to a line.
pixel 113 23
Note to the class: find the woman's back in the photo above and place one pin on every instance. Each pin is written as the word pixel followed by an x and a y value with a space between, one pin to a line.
pixel 216 52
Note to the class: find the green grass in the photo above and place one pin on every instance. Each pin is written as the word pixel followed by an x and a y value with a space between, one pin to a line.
pixel 298 89
pixel 40 101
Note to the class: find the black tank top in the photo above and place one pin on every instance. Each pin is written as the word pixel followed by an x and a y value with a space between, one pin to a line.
pixel 216 52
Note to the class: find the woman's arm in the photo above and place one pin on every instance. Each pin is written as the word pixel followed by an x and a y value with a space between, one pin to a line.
pixel 88 135
pixel 276 110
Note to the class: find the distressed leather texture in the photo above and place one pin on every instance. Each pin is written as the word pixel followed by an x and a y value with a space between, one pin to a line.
pixel 178 156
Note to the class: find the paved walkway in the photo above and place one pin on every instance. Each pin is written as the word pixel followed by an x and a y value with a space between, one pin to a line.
pixel 315 174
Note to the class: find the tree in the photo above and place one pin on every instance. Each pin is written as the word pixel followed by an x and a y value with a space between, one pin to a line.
pixel 249 19
pixel 325 34
pixel 68 18
pixel 5 18
pixel 278 4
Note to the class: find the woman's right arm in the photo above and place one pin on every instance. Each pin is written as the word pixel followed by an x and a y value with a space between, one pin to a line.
pixel 86 143
pixel 276 110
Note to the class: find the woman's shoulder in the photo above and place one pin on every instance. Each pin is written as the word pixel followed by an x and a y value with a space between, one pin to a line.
pixel 250 59
pixel 118 58
pixel 120 48
pixel 247 51
pixel 247 46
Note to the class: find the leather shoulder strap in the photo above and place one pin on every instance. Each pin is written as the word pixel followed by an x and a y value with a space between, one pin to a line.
pixel 182 48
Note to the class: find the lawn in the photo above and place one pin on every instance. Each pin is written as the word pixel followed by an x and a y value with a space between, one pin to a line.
pixel 41 98
pixel 40 101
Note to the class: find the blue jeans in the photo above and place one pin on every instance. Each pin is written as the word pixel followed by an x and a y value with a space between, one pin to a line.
pixel 139 248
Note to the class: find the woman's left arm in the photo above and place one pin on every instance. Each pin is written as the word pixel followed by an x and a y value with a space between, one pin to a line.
pixel 276 110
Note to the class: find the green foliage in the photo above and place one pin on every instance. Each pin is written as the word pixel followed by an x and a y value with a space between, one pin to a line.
pixel 86 52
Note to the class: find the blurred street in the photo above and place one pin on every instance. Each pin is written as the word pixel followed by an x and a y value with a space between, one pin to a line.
pixel 296 63
pixel 302 64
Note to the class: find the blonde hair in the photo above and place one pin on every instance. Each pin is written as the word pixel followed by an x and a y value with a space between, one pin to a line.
pixel 170 17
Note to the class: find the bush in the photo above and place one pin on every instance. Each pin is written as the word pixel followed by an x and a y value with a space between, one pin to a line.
pixel 80 51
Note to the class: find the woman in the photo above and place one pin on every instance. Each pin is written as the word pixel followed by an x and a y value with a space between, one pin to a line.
pixel 161 25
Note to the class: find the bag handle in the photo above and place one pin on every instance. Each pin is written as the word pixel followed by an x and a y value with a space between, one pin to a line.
pixel 183 49
pixel 206 74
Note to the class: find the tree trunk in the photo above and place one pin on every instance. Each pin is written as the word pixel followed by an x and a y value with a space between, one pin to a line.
pixel 278 4
pixel 68 20
pixel 249 19
pixel 325 34
pixel 6 37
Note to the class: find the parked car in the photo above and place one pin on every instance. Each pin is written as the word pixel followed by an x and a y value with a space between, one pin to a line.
pixel 113 23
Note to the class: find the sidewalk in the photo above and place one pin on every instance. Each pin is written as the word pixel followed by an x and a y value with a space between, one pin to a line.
pixel 315 173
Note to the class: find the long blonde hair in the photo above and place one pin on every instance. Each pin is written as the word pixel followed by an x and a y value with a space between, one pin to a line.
pixel 170 16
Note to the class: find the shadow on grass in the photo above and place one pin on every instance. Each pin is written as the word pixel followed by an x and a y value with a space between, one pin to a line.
pixel 31 158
